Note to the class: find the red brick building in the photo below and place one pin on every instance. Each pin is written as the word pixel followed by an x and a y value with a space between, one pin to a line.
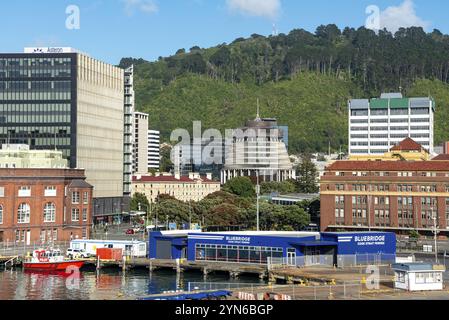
pixel 398 196
pixel 44 205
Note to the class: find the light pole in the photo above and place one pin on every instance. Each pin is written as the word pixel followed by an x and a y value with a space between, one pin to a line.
pixel 257 204
pixel 435 231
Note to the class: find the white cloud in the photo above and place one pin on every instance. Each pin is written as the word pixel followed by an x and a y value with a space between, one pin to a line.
pixel 261 8
pixel 146 6
pixel 403 15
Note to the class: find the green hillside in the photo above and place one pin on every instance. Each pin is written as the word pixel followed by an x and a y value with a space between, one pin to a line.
pixel 313 106
pixel 304 79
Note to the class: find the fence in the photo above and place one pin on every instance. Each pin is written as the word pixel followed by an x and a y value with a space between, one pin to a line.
pixel 251 291
pixel 10 249
pixel 210 286
pixel 341 261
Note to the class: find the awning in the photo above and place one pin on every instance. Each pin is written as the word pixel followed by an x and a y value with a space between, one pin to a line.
pixel 314 244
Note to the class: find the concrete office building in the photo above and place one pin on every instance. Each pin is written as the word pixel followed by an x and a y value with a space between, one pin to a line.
pixel 203 156
pixel 20 156
pixel 258 150
pixel 140 147
pixel 59 98
pixel 154 150
pixel 376 125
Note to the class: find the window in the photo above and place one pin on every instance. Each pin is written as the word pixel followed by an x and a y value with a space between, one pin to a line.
pixel 86 197
pixel 2 192
pixel 50 212
pixel 75 215
pixel 50 191
pixel 1 214
pixel 400 277
pixel 84 214
pixel 55 234
pixel 75 197
pixel 23 213
pixel 25 192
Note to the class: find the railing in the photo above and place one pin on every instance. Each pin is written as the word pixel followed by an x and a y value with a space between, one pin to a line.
pixel 13 249
pixel 347 291
pixel 11 262
pixel 305 261
pixel 341 261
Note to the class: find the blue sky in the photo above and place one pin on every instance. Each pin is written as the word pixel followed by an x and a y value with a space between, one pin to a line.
pixel 112 29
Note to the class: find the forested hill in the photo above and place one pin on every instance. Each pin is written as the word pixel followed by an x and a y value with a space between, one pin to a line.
pixel 304 79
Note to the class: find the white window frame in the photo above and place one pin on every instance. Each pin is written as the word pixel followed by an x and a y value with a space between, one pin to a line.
pixel 23 213
pixel 50 212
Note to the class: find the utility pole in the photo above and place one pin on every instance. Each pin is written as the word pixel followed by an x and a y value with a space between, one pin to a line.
pixel 257 205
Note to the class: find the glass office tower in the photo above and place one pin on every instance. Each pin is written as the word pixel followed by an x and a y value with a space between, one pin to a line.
pixel 38 102
pixel 73 103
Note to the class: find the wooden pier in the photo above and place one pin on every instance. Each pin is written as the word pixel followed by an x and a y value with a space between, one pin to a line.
pixel 234 270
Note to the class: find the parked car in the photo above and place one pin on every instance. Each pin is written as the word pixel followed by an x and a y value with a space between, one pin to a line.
pixel 77 254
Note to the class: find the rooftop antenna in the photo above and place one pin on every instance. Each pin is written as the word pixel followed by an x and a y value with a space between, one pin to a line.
pixel 258 110
pixel 275 30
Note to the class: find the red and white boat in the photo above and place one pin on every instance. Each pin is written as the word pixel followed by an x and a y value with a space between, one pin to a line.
pixel 51 260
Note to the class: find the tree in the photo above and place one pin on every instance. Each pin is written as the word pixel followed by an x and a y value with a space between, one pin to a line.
pixel 307 176
pixel 139 202
pixel 166 163
pixel 172 210
pixel 241 186
pixel 279 187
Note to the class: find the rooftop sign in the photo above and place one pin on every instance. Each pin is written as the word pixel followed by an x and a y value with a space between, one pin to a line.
pixel 47 50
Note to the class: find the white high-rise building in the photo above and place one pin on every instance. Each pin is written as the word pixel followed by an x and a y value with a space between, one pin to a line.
pixel 140 148
pixel 154 149
pixel 376 125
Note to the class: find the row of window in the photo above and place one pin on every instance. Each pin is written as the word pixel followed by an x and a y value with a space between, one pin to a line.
pixel 426 216
pixel 393 112
pixel 241 254
pixel 388 174
pixel 49 191
pixel 49 213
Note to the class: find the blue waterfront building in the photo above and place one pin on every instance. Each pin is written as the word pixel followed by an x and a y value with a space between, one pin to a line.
pixel 265 247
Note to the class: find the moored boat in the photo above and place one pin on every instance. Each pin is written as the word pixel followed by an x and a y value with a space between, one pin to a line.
pixel 51 260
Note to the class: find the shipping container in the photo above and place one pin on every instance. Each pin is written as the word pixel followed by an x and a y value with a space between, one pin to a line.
pixel 110 254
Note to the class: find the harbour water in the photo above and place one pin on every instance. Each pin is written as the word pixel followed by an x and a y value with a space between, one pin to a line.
pixel 103 285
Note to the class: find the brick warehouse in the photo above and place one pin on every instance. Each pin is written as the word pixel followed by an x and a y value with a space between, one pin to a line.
pixel 398 196
pixel 44 205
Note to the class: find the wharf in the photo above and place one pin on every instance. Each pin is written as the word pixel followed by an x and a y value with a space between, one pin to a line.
pixel 235 270
pixel 324 275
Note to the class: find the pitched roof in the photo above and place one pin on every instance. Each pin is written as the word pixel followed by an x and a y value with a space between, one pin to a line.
pixel 183 179
pixel 441 157
pixel 407 145
pixel 389 166
pixel 78 183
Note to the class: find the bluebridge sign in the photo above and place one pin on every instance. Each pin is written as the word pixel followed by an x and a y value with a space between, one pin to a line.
pixel 369 242
pixel 364 240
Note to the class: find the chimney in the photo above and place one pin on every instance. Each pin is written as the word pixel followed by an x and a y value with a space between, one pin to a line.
pixel 191 175
pixel 177 176
pixel 446 148
pixel 209 176
pixel 157 174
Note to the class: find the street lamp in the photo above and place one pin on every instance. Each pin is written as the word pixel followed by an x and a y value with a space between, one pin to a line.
pixel 435 231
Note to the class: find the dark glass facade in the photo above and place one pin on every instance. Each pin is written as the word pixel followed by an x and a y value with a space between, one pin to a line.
pixel 38 101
